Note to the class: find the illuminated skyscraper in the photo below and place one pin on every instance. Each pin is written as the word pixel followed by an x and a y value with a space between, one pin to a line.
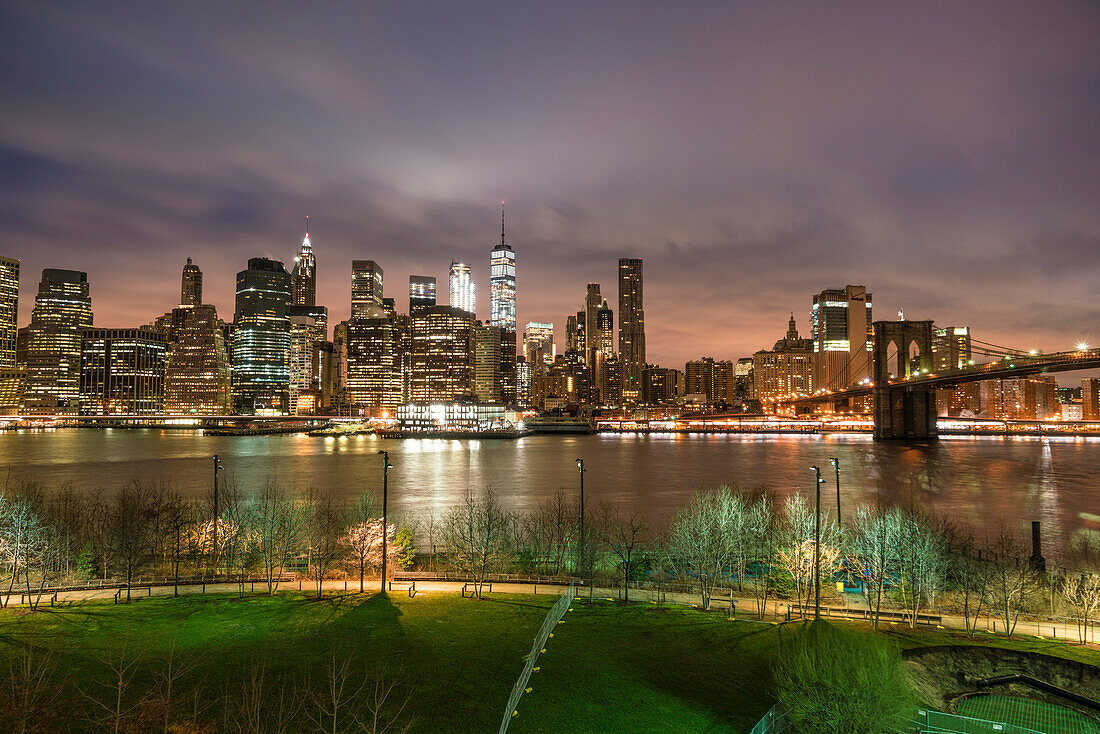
pixel 62 310
pixel 487 363
pixel 308 330
pixel 304 276
pixel 841 334
pixel 421 293
pixel 261 339
pixel 122 371
pixel 592 301
pixel 196 371
pixel 463 291
pixel 191 285
pixel 374 377
pixel 12 376
pixel 631 327
pixel 950 348
pixel 366 289
pixel 442 355
pixel 538 339
pixel 9 310
pixel 502 283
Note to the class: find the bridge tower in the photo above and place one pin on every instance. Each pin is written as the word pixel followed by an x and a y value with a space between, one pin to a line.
pixel 903 412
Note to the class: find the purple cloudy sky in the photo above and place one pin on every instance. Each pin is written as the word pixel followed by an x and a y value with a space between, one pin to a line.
pixel 946 155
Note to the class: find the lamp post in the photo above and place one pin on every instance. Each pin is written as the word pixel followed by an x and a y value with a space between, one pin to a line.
pixel 836 468
pixel 580 535
pixel 817 541
pixel 217 468
pixel 386 466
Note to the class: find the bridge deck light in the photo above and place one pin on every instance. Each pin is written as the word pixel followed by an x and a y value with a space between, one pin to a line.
pixel 1082 347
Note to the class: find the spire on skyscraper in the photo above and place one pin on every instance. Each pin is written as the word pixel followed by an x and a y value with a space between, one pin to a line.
pixel 502 225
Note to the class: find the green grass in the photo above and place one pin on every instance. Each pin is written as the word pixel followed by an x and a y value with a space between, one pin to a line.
pixel 1028 713
pixel 609 668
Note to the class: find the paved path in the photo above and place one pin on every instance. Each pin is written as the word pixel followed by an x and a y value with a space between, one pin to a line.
pixel 745 607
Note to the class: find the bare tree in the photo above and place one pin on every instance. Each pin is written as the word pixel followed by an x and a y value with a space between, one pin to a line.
pixel 760 532
pixel 167 678
pixel 476 536
pixel 276 523
pixel 795 546
pixel 177 516
pixel 1011 582
pixel 972 580
pixel 129 529
pixel 22 538
pixel 624 533
pixel 260 703
pixel 873 552
pixel 324 528
pixel 115 704
pixel 28 696
pixel 364 543
pixel 700 542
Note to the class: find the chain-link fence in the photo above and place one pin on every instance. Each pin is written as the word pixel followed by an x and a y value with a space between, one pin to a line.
pixel 921 721
pixel 548 624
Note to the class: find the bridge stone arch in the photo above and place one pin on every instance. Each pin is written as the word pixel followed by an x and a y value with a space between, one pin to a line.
pixel 900 411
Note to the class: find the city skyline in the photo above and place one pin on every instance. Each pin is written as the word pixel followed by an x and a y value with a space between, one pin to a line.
pixel 772 160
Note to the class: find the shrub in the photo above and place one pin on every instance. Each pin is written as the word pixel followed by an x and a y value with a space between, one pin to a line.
pixel 836 682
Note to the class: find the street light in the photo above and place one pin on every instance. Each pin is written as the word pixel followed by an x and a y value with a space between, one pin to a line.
pixel 580 542
pixel 817 542
pixel 836 467
pixel 386 466
pixel 217 468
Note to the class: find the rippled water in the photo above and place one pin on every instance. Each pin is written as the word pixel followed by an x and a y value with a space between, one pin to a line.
pixel 983 482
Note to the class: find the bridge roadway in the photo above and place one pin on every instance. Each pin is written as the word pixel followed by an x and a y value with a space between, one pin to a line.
pixel 1024 365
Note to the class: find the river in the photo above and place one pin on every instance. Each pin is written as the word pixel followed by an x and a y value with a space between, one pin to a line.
pixel 981 482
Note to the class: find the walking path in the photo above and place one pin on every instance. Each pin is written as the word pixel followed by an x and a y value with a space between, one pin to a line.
pixel 744 608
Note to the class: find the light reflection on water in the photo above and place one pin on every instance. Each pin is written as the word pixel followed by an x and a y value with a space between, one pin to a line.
pixel 983 482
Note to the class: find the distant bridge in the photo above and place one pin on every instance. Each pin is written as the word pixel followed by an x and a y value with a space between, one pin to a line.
pixel 905 405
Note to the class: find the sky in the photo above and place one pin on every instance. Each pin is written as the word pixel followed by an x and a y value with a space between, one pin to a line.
pixel 944 155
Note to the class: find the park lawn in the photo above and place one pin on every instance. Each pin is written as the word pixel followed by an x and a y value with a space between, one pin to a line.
pixel 457 658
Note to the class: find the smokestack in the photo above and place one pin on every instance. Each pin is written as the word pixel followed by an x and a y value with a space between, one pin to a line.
pixel 1038 563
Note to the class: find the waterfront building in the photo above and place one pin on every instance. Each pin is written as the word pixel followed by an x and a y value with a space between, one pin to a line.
pixel 62 310
pixel 950 348
pixel 455 416
pixel 786 369
pixel 714 379
pixel 742 377
pixel 374 376
pixel 538 343
pixel 631 327
pixel 1090 399
pixel 9 311
pixel 191 285
pixel 442 344
pixel 122 371
pixel 842 337
pixel 366 288
pixel 661 385
pixel 568 379
pixel 196 370
pixel 1025 398
pixel 463 290
pixel 303 277
pixel 337 377
pixel 260 348
pixel 421 293
pixel 488 345
pixel 308 330
pixel 12 374
pixel 523 381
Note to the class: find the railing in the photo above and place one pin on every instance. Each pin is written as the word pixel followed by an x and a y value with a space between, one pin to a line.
pixel 553 617
pixel 775 721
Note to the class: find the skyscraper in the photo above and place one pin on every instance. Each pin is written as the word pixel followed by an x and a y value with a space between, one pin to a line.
pixel 62 310
pixel 538 343
pixel 196 371
pixel 487 363
pixel 308 330
pixel 592 301
pixel 304 276
pixel 442 355
pixel 631 327
pixel 12 374
pixel 191 285
pixel 841 334
pixel 261 338
pixel 463 291
pixel 9 310
pixel 374 377
pixel 366 289
pixel 122 371
pixel 502 283
pixel 421 293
